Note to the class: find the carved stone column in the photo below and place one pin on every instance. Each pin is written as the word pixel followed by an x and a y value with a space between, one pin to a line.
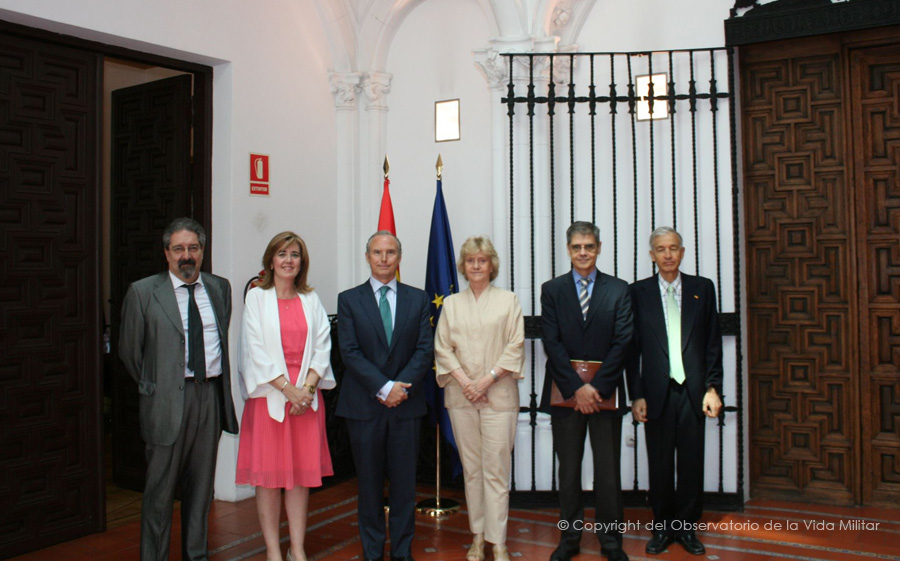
pixel 373 146
pixel 495 70
pixel 345 88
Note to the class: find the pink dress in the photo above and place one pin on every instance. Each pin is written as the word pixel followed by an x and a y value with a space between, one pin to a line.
pixel 293 453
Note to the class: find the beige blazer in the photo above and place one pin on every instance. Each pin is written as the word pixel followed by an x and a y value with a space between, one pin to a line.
pixel 477 336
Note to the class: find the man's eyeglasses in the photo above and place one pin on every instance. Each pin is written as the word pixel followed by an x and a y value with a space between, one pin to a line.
pixel 589 247
pixel 181 250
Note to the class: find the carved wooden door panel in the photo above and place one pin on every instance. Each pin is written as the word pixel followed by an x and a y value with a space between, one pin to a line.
pixel 875 95
pixel 821 132
pixel 151 185
pixel 802 312
pixel 51 478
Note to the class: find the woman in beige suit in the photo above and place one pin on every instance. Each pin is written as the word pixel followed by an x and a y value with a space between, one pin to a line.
pixel 480 351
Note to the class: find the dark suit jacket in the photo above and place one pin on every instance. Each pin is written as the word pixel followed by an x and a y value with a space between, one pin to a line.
pixel 701 343
pixel 605 336
pixel 370 362
pixel 151 344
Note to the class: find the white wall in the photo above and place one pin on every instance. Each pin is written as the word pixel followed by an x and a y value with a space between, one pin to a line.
pixel 646 25
pixel 431 60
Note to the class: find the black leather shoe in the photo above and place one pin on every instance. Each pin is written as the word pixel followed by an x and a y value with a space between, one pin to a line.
pixel 691 544
pixel 615 554
pixel 564 552
pixel 658 543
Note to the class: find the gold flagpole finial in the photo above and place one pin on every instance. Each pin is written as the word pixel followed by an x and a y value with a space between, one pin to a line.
pixel 439 166
pixel 387 166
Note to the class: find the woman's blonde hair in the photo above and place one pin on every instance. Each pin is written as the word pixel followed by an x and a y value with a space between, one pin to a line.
pixel 279 242
pixel 478 244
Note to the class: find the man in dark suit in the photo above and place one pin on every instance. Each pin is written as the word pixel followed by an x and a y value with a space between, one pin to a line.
pixel 586 316
pixel 174 343
pixel 674 378
pixel 386 344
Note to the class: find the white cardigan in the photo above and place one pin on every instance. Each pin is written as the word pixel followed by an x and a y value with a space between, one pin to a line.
pixel 262 356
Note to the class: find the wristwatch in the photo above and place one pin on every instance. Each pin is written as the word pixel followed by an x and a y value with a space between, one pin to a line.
pixel 494 375
pixel 310 388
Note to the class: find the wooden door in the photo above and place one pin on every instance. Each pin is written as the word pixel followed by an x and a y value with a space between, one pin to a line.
pixel 821 133
pixel 875 109
pixel 801 308
pixel 150 185
pixel 51 477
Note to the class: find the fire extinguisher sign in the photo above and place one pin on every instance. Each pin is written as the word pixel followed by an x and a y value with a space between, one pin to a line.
pixel 259 174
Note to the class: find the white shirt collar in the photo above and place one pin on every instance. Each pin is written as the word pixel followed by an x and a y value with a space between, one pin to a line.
pixel 178 281
pixel 377 284
pixel 676 284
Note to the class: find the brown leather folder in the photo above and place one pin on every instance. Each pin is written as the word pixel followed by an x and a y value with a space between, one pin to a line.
pixel 585 370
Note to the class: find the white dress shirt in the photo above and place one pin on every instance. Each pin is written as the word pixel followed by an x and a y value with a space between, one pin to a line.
pixel 212 345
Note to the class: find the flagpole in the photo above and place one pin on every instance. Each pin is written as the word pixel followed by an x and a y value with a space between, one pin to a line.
pixel 433 507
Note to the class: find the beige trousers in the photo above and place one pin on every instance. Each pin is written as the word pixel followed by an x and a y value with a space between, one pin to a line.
pixel 485 440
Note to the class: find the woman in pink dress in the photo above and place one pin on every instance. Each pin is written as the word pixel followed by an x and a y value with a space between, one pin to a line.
pixel 285 360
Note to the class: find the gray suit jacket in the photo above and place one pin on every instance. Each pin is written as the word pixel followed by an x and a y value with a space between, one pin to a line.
pixel 151 344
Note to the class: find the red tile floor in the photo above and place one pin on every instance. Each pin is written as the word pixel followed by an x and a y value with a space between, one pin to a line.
pixel 807 532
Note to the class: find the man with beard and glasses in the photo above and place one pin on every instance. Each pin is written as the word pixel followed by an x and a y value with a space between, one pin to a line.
pixel 174 343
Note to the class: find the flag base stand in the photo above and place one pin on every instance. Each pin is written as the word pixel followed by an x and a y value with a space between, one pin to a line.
pixel 435 507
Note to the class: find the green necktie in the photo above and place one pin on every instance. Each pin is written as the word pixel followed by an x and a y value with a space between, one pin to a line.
pixel 676 365
pixel 385 308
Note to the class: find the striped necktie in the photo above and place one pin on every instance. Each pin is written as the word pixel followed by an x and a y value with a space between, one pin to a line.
pixel 583 297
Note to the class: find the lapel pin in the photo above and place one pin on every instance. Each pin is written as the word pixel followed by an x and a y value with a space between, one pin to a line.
pixel 696 297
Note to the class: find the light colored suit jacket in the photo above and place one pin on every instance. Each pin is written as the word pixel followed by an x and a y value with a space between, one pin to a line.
pixel 477 336
pixel 151 344
pixel 262 355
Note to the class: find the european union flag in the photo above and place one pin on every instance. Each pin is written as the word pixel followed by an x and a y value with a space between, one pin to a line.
pixel 440 282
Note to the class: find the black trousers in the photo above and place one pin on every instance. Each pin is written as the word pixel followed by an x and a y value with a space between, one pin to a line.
pixel 675 444
pixel 385 444
pixel 606 441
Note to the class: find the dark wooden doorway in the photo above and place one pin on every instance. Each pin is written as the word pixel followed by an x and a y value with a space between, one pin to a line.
pixel 51 333
pixel 821 142
pixel 51 487
pixel 150 183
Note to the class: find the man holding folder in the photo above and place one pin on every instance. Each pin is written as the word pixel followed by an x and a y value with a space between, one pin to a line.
pixel 586 323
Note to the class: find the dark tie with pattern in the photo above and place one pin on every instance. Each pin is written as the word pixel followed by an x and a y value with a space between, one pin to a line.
pixel 196 348
pixel 583 297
